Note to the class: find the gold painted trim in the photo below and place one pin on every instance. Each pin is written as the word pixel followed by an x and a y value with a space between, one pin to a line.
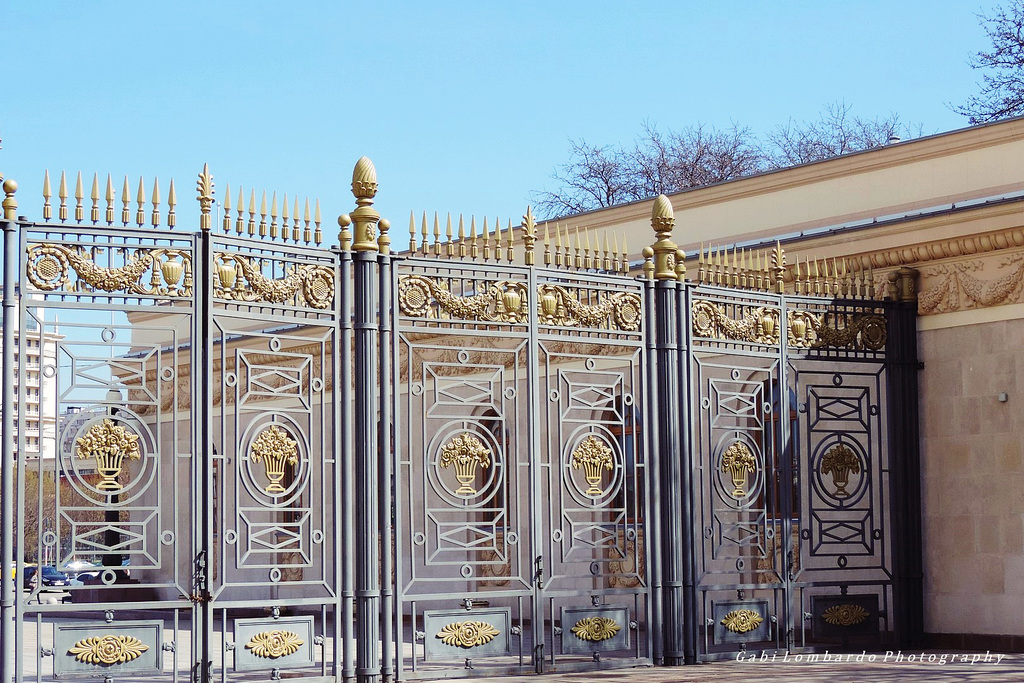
pixel 596 629
pixel 742 620
pixel 313 283
pixel 845 615
pixel 109 444
pixel 496 302
pixel 467 634
pixel 276 451
pixel 557 306
pixel 757 326
pixel 466 452
pixel 860 331
pixel 274 644
pixel 737 462
pixel 48 268
pixel 108 649
pixel 593 455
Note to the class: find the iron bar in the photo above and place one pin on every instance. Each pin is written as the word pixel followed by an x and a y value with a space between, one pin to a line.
pixel 669 446
pixel 367 593
pixel 386 453
pixel 345 532
pixel 687 472
pixel 653 464
pixel 8 648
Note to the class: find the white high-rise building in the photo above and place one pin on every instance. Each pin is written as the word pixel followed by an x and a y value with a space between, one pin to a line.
pixel 35 382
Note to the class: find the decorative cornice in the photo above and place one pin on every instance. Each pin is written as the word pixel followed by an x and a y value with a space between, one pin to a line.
pixel 955 286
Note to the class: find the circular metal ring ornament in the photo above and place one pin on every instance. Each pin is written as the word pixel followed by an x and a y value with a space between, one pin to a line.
pixel 47 268
pixel 419 538
pixel 167 537
pixel 230 536
pixel 275 343
pixel 167 373
pixel 628 313
pixel 49 539
pixel 318 287
pixel 275 575
pixel 466 571
pixel 463 356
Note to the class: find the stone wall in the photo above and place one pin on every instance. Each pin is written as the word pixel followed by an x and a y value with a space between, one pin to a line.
pixel 973 479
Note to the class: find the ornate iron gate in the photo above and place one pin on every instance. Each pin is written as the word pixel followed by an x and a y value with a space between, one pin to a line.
pixel 521 499
pixel 789 426
pixel 354 465
pixel 178 425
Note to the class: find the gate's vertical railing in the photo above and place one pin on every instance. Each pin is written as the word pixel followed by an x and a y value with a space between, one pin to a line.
pixel 667 360
pixel 903 365
pixel 652 419
pixel 345 530
pixel 8 648
pixel 202 570
pixel 365 219
pixel 686 458
pixel 385 455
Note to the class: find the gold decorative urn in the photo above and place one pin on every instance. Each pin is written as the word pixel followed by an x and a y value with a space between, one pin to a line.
pixel 109 444
pixel 276 451
pixel 738 462
pixel 466 453
pixel 594 456
pixel 840 462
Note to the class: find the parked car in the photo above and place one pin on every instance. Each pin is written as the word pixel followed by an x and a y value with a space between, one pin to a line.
pixel 49 576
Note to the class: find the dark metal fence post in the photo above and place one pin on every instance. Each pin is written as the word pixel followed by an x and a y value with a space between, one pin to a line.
pixel 386 452
pixel 365 218
pixel 655 536
pixel 669 451
pixel 904 436
pixel 204 560
pixel 345 529
pixel 8 647
pixel 687 465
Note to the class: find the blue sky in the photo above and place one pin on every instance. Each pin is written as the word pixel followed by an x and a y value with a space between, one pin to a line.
pixel 463 107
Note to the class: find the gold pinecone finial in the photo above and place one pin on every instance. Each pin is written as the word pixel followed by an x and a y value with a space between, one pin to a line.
pixel 663 219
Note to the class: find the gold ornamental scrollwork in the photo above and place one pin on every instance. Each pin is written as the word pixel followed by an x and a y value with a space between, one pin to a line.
pixel 238 278
pixel 840 461
pixel 49 267
pixel 596 629
pixel 467 634
pixel 276 451
pixel 758 325
pixel 845 615
pixel 737 462
pixel 559 307
pixel 466 453
pixel 742 620
pixel 109 444
pixel 108 650
pixel 594 456
pixel 503 301
pixel 274 644
pixel 860 331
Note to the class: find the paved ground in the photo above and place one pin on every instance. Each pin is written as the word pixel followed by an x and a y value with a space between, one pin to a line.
pixel 975 668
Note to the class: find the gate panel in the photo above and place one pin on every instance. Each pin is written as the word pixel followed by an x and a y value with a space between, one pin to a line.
pixel 275 473
pixel 843 567
pixel 521 478
pixel 106 329
pixel 741 498
pixel 463 471
pixel 592 499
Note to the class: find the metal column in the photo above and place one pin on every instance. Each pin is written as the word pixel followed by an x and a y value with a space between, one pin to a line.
pixel 367 584
pixel 8 647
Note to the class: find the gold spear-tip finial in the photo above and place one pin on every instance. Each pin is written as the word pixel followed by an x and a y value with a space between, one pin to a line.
pixel 663 219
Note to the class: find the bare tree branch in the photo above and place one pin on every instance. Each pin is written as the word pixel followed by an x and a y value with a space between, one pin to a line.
pixel 1002 88
pixel 657 163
